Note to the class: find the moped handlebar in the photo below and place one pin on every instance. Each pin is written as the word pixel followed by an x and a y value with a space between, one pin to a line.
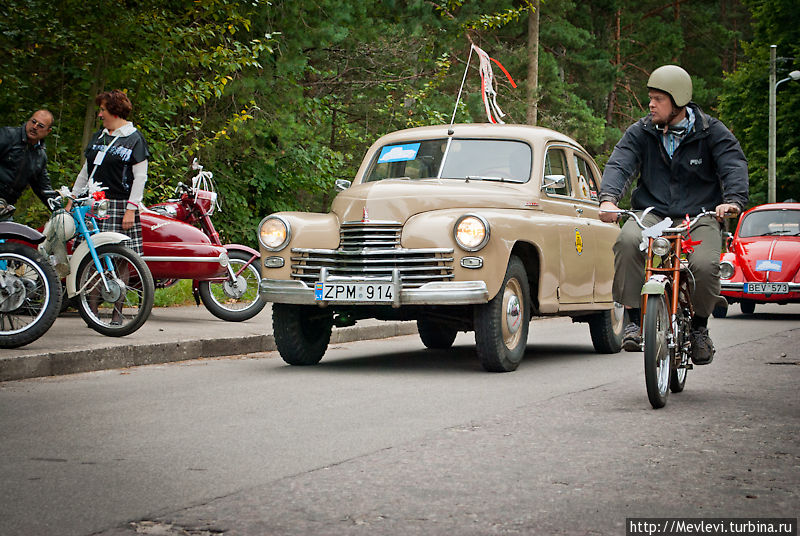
pixel 685 226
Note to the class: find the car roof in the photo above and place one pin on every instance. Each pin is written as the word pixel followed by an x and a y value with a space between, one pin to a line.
pixel 776 206
pixel 534 135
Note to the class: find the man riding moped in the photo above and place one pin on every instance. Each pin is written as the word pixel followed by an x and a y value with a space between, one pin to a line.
pixel 685 161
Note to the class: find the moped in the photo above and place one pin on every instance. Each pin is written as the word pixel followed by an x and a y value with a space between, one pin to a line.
pixel 224 277
pixel 30 293
pixel 109 283
pixel 666 306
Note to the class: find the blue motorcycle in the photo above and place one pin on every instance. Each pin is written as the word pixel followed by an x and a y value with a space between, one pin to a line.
pixel 109 284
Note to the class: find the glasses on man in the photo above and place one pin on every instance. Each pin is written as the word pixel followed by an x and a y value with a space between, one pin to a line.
pixel 38 124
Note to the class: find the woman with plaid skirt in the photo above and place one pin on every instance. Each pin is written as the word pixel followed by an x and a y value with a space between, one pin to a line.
pixel 116 158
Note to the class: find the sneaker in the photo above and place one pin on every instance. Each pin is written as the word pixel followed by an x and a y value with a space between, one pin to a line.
pixel 632 339
pixel 702 347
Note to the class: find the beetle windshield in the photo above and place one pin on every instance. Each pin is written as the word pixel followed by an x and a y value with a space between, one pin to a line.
pixel 500 160
pixel 771 223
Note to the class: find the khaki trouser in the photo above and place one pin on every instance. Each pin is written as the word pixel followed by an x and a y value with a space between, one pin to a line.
pixel 629 263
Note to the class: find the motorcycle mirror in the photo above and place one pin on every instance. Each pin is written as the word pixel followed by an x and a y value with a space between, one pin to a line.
pixel 196 164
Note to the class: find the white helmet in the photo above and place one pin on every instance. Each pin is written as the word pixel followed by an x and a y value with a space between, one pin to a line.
pixel 674 81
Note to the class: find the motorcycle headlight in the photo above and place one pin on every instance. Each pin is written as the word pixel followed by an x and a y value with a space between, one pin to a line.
pixel 726 270
pixel 661 246
pixel 471 232
pixel 100 208
pixel 274 233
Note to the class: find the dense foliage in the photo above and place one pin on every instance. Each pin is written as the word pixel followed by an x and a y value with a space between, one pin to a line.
pixel 278 98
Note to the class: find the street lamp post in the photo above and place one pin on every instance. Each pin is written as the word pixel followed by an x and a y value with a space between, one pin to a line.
pixel 773 90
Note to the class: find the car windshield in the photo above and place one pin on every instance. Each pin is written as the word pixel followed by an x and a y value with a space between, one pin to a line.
pixel 499 160
pixel 771 223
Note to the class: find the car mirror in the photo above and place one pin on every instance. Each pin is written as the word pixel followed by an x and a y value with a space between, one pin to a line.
pixel 342 184
pixel 559 182
pixel 728 241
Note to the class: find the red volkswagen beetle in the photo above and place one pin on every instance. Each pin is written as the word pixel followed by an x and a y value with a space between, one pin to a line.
pixel 762 264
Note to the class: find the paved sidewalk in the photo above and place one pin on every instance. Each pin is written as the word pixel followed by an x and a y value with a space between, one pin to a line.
pixel 170 334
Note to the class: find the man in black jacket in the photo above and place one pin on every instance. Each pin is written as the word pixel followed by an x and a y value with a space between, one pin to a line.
pixel 23 161
pixel 685 162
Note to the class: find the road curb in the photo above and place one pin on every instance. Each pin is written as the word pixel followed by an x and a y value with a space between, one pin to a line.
pixel 132 355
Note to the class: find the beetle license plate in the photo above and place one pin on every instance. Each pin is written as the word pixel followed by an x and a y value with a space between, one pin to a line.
pixel 354 292
pixel 766 288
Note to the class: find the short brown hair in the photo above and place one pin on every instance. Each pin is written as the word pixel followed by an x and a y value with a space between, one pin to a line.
pixel 116 102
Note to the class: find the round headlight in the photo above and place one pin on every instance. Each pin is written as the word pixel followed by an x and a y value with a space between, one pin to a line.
pixel 726 270
pixel 274 233
pixel 661 246
pixel 471 232
pixel 100 208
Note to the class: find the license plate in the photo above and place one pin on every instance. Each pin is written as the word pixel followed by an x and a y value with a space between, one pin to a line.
pixel 354 292
pixel 766 288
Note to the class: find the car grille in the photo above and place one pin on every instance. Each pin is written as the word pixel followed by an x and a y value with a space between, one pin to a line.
pixel 371 250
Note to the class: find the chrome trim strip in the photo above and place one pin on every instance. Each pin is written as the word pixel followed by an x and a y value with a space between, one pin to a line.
pixel 182 259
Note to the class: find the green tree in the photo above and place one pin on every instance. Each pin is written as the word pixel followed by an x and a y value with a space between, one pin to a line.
pixel 744 102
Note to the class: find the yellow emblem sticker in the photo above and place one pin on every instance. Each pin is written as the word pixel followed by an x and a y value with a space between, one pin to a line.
pixel 578 242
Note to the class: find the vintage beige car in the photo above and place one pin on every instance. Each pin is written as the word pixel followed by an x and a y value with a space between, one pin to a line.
pixel 467 227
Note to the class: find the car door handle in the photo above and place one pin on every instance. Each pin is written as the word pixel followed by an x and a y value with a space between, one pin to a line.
pixel 579 211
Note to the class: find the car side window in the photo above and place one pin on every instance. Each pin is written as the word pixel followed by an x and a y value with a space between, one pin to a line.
pixel 587 182
pixel 555 168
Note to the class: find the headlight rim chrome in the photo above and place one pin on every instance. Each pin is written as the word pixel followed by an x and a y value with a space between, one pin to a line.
pixel 661 246
pixel 286 239
pixel 726 267
pixel 486 235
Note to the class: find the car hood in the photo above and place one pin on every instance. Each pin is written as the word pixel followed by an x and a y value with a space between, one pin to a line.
pixel 785 251
pixel 399 199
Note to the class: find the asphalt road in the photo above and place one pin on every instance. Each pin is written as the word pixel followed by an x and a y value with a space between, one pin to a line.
pixel 384 437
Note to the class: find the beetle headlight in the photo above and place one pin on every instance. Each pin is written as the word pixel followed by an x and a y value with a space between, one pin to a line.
pixel 726 270
pixel 100 208
pixel 274 233
pixel 661 246
pixel 471 232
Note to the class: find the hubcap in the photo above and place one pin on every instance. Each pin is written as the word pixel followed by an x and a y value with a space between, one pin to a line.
pixel 116 289
pixel 513 313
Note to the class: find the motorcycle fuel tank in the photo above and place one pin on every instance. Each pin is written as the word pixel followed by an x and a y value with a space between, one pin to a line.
pixel 177 250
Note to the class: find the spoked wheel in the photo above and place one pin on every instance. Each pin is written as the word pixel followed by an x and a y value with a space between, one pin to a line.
pixel 656 352
pixel 501 326
pixel 30 295
pixel 238 299
pixel 123 306
pixel 302 332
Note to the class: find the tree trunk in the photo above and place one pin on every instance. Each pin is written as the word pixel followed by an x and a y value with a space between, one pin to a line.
pixel 533 64
pixel 91 108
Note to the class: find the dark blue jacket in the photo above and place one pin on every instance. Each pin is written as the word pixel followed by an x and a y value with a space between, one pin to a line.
pixel 21 164
pixel 708 168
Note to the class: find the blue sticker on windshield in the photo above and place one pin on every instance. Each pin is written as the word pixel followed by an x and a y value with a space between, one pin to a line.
pixel 398 153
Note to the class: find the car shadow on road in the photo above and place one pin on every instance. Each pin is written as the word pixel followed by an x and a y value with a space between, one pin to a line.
pixel 459 358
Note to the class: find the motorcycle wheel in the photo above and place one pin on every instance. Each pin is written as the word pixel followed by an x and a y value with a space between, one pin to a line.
pixel 656 352
pixel 30 295
pixel 124 307
pixel 238 300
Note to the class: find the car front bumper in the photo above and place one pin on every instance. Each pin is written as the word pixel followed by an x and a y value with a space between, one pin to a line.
pixel 435 293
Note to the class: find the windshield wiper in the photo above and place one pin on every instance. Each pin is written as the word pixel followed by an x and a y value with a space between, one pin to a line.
pixel 485 178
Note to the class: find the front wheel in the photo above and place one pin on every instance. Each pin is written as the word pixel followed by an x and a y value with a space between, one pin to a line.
pixel 656 351
pixel 122 305
pixel 607 329
pixel 748 307
pixel 302 332
pixel 236 299
pixel 501 326
pixel 30 295
pixel 436 335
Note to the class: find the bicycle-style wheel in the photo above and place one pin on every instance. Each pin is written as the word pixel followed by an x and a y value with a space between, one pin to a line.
pixel 656 351
pixel 30 295
pixel 123 306
pixel 235 300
